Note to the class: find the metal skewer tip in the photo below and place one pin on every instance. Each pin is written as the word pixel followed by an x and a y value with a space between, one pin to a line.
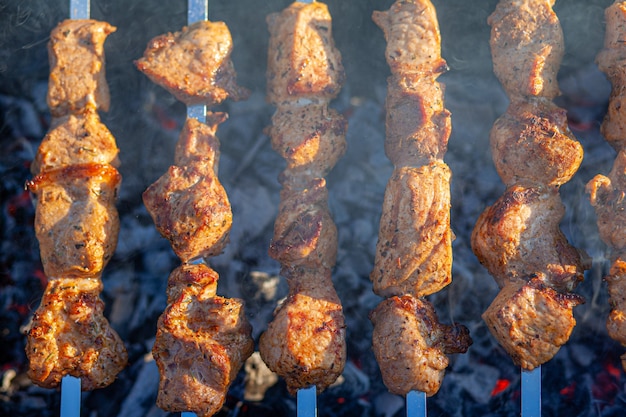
pixel 79 9
pixel 70 396
pixel 416 404
pixel 307 402
pixel 531 393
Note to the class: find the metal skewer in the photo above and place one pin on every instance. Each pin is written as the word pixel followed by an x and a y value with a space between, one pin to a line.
pixel 70 385
pixel 531 392
pixel 416 404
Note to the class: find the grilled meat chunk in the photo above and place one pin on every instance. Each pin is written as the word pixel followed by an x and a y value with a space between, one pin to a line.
pixel 78 138
pixel 76 222
pixel 303 62
pixel 527 47
pixel 77 67
pixel 532 141
pixel 411 345
pixel 305 342
pixel 201 343
pixel 188 204
pixel 519 235
pixel 414 248
pixel 531 320
pixel 194 64
pixel 70 336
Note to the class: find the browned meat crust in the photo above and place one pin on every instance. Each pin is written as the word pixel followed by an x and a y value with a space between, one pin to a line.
pixel 76 222
pixel 77 67
pixel 188 204
pixel 201 343
pixel 527 47
pixel 518 238
pixel 305 342
pixel 407 332
pixel 70 336
pixel 302 59
pixel 194 64
pixel 414 248
pixel 77 138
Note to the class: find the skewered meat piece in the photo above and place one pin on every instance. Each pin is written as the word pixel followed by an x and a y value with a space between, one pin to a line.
pixel 407 332
pixel 70 336
pixel 194 64
pixel 77 138
pixel 76 222
pixel 77 67
pixel 305 342
pixel 303 62
pixel 607 192
pixel 201 343
pixel 414 248
pixel 188 204
pixel 527 47
pixel 518 238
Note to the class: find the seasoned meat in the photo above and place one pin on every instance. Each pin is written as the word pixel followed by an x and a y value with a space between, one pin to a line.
pixel 531 320
pixel 519 235
pixel 311 138
pixel 78 138
pixel 305 342
pixel 411 345
pixel 188 204
pixel 201 343
pixel 194 64
pixel 527 47
pixel 414 248
pixel 411 30
pixel 76 222
pixel 303 62
pixel 77 67
pixel 70 336
pixel 532 141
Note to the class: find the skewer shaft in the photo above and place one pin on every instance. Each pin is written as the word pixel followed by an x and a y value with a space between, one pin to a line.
pixel 416 404
pixel 70 386
pixel 531 393
pixel 307 402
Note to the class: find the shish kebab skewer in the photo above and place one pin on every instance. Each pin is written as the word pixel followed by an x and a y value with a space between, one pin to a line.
pixel 518 238
pixel 305 342
pixel 202 339
pixel 75 187
pixel 414 252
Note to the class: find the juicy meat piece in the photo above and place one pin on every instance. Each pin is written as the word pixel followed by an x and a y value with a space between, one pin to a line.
pixel 519 235
pixel 77 67
pixel 311 138
pixel 414 252
pixel 70 336
pixel 527 47
pixel 607 196
pixel 411 345
pixel 418 125
pixel 201 343
pixel 76 222
pixel 616 283
pixel 194 64
pixel 411 30
pixel 532 141
pixel 610 60
pixel 305 343
pixel 531 321
pixel 303 62
pixel 77 138
pixel 304 232
pixel 188 204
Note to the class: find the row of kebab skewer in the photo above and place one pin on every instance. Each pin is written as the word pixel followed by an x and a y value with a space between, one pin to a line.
pixel 203 339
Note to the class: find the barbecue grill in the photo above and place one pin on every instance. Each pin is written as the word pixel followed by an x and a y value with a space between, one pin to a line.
pixel 584 379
